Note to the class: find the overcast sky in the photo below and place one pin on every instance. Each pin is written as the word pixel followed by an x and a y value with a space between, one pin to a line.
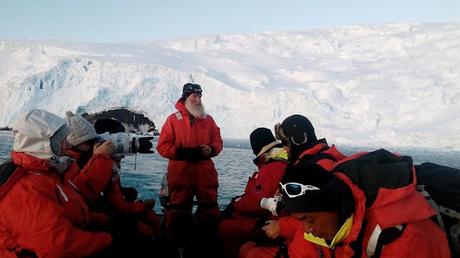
pixel 143 20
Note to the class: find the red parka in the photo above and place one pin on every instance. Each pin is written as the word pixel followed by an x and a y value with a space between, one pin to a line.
pixel 324 155
pixel 241 226
pixel 43 213
pixel 179 131
pixel 263 184
pixel 93 178
pixel 421 237
pixel 99 176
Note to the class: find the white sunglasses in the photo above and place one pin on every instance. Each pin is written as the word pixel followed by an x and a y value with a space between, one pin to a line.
pixel 294 189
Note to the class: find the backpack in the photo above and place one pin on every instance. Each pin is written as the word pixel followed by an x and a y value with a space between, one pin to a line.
pixel 441 187
pixel 370 172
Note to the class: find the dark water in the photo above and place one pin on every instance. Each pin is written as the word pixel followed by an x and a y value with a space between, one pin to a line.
pixel 234 166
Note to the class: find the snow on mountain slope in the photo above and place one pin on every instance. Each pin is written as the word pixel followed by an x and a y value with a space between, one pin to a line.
pixel 379 85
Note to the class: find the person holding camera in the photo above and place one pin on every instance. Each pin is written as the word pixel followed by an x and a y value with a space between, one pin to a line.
pixel 189 139
pixel 244 215
pixel 93 168
pixel 95 181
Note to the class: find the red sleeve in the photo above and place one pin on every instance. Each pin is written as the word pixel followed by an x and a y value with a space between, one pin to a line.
pixel 265 185
pixel 216 139
pixel 289 227
pixel 40 227
pixel 116 199
pixel 165 146
pixel 94 177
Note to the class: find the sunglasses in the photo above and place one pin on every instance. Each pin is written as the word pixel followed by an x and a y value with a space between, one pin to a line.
pixel 296 189
pixel 193 88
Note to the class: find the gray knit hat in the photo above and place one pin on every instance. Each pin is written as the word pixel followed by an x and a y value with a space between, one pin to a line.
pixel 81 130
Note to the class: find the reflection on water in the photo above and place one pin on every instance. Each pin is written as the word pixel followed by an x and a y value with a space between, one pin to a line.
pixel 234 166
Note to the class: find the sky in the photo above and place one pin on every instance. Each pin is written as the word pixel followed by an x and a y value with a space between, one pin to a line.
pixel 144 20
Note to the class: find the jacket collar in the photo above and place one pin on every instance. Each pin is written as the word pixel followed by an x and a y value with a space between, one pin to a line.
pixel 31 163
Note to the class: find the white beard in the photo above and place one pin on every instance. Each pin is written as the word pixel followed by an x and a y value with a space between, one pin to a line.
pixel 195 110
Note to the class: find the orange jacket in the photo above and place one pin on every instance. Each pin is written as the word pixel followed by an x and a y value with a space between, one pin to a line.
pixel 421 237
pixel 98 176
pixel 93 178
pixel 45 215
pixel 177 132
pixel 260 185
pixel 319 152
pixel 116 199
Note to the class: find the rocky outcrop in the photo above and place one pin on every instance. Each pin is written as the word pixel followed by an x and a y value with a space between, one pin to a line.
pixel 133 121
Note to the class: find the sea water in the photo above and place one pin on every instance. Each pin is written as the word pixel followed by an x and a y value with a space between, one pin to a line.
pixel 234 165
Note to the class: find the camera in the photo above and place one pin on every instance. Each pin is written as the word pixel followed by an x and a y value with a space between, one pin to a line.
pixel 126 143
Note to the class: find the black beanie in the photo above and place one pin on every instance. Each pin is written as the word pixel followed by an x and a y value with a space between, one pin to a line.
pixel 259 138
pixel 333 194
pixel 189 89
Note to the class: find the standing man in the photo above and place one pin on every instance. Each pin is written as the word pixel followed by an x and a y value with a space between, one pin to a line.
pixel 189 139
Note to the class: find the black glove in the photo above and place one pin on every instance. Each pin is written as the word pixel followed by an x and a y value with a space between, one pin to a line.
pixel 189 154
pixel 228 211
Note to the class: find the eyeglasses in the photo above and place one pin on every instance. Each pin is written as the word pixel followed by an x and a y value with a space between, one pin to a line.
pixel 293 189
pixel 197 91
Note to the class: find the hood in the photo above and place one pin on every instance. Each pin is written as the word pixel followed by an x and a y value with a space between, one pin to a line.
pixel 32 132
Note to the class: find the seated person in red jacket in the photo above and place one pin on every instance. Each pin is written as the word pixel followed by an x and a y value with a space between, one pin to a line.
pixel 244 212
pixel 42 214
pixel 97 183
pixel 334 215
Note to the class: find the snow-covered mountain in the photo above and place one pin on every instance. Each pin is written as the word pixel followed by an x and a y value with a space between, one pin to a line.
pixel 380 85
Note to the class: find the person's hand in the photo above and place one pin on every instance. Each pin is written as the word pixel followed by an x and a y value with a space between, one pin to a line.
pixel 105 148
pixel 206 150
pixel 272 229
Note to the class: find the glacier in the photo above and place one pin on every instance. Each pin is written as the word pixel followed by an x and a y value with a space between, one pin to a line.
pixel 364 85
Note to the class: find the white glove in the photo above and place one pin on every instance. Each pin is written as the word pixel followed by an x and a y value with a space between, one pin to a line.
pixel 270 204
